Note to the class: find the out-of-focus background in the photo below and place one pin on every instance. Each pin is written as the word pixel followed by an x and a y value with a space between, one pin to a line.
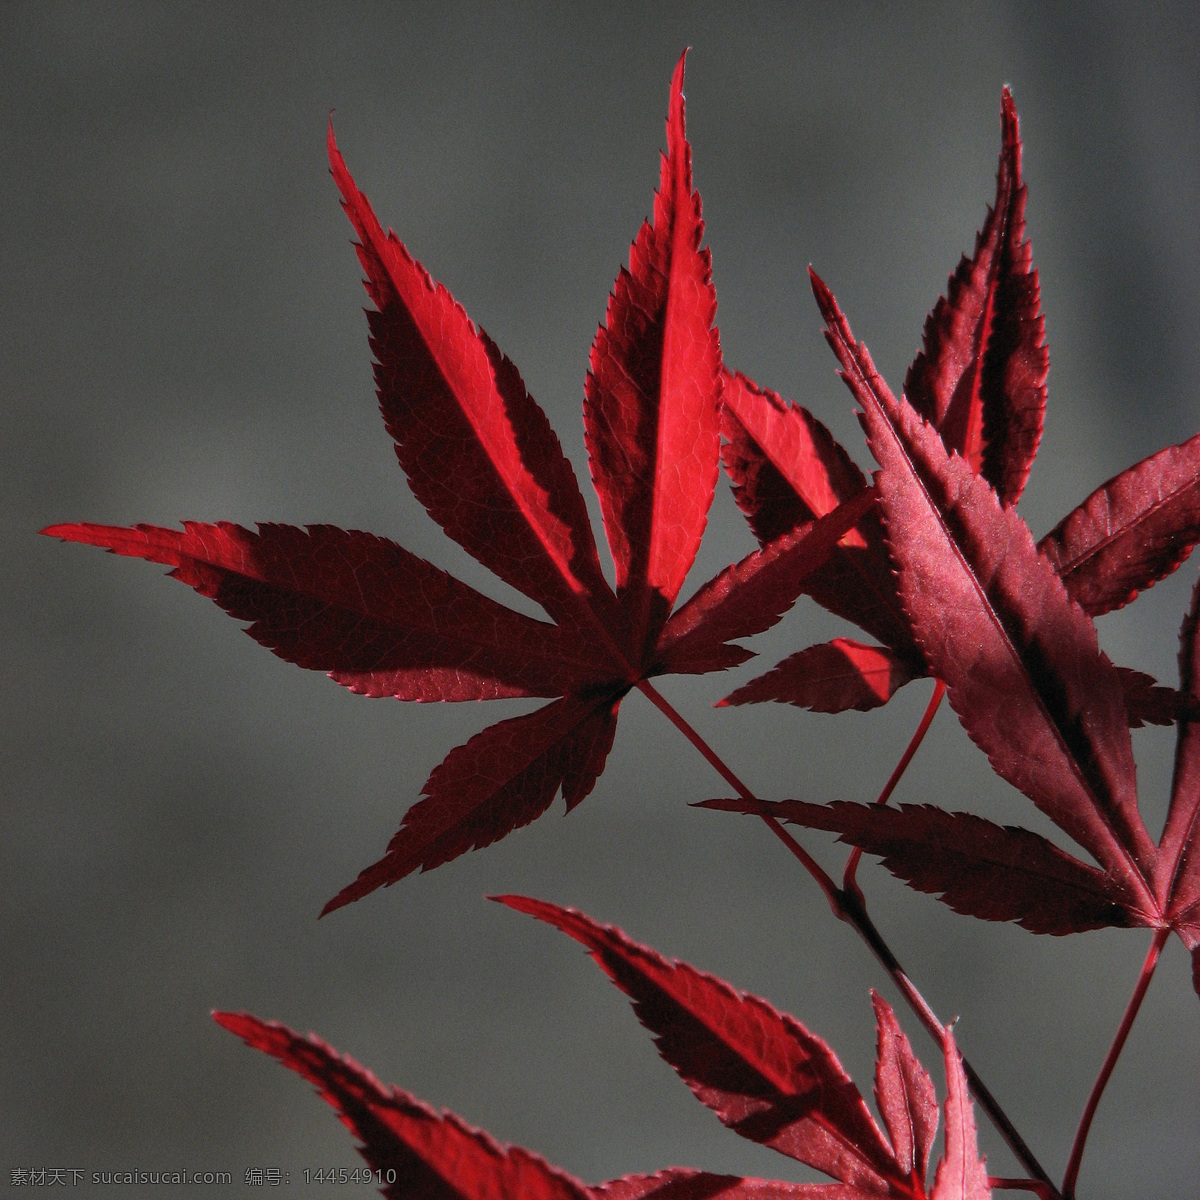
pixel 182 337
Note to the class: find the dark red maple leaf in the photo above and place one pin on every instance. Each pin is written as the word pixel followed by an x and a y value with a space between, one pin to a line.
pixel 980 381
pixel 904 1093
pixel 481 457
pixel 976 867
pixel 1019 655
pixel 761 1071
pixel 995 622
pixel 775 1082
pixel 1131 531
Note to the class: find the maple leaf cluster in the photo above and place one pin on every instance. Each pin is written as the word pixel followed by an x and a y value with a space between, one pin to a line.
pixel 930 559
pixel 481 457
pixel 1003 622
pixel 760 1071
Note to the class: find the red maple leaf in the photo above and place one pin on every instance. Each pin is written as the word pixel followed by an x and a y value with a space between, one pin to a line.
pixel 1019 655
pixel 481 457
pixel 1005 624
pixel 762 1073
pixel 773 1081
pixel 980 382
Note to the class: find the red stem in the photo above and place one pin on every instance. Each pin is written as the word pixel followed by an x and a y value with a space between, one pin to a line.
pixel 848 880
pixel 1114 1052
pixel 848 905
pixel 810 864
pixel 1022 1185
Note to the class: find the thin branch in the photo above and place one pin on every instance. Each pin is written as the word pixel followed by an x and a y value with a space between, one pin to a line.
pixel 848 906
pixel 1114 1052
pixel 848 876
pixel 810 864
pixel 1021 1185
pixel 856 914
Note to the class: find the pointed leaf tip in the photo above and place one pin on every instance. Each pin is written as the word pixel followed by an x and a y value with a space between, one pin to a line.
pixel 677 114
pixel 677 77
pixel 764 1074
pixel 1008 110
pixel 423 1153
pixel 652 397
pixel 980 377
pixel 821 291
pixel 961 1173
pixel 993 619
pixel 337 164
pixel 904 1093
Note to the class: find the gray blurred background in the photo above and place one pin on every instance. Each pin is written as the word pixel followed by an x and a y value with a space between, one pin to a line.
pixel 183 337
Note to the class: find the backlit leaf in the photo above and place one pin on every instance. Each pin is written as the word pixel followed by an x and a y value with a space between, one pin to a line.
pixel 428 1155
pixel 763 1074
pixel 1131 531
pixel 981 377
pixel 1020 660
pixel 904 1093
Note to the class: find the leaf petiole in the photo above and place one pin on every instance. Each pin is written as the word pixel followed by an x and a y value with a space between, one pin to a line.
pixel 1110 1062
pixel 1041 1190
pixel 849 883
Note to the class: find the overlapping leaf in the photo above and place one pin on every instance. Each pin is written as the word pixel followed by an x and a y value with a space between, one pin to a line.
pixel 961 1174
pixel 832 677
pixel 483 460
pixel 904 1093
pixel 787 467
pixel 774 1082
pixel 1003 623
pixel 761 1072
pixel 1019 658
pixel 423 1154
pixel 750 596
pixel 978 868
pixel 684 1183
pixel 1024 672
pixel 980 381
